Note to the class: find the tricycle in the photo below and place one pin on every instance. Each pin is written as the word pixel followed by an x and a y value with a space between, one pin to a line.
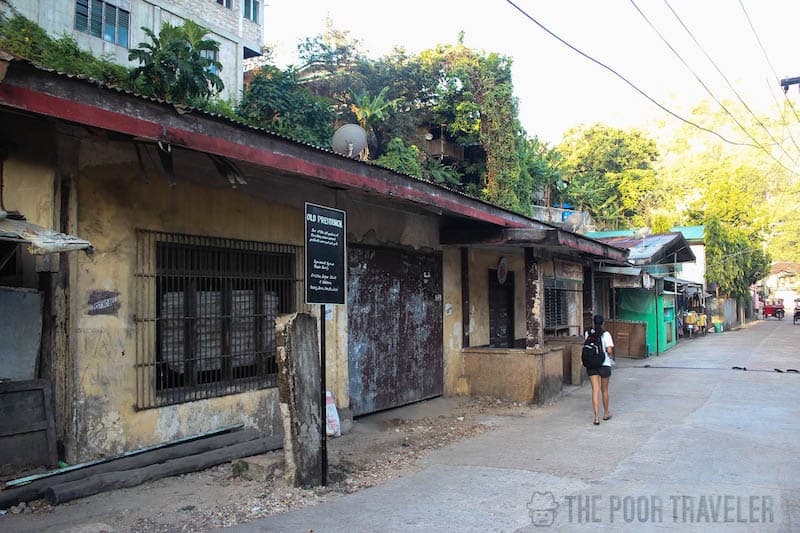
pixel 796 317
pixel 774 307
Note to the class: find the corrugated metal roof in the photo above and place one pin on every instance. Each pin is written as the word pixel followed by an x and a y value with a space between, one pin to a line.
pixel 691 233
pixel 41 240
pixel 653 248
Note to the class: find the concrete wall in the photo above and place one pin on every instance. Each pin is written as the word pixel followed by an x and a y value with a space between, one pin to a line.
pixel 480 262
pixel 454 380
pixel 695 271
pixel 113 201
pixel 517 375
pixel 228 27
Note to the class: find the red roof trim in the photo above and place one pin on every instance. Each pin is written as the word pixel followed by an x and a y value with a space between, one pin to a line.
pixel 70 110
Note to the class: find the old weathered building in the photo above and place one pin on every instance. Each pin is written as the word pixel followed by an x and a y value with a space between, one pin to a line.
pixel 197 227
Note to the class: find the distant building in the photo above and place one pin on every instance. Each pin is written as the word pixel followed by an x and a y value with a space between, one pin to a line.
pixel 112 27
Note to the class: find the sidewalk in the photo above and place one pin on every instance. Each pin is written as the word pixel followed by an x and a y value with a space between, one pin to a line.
pixel 693 446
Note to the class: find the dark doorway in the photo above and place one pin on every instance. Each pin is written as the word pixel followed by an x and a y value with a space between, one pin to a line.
pixel 587 298
pixel 501 311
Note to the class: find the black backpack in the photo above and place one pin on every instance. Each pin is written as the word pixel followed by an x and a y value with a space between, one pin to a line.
pixel 592 354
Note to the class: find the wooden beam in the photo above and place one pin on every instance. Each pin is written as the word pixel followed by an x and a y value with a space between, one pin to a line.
pixel 494 236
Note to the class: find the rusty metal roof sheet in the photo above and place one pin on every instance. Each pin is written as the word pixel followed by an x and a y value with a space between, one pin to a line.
pixel 654 249
pixel 41 240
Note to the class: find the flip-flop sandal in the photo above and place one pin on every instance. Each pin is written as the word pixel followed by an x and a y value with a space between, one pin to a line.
pixel 596 422
pixel 607 417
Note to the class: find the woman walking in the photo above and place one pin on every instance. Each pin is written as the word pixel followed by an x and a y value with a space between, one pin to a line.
pixel 599 377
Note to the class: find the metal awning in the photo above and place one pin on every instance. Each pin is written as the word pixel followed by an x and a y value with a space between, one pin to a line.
pixel 40 240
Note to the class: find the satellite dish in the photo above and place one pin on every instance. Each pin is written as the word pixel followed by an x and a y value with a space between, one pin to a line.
pixel 349 140
pixel 573 222
pixel 642 233
pixel 429 136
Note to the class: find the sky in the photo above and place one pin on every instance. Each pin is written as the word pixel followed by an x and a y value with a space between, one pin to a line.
pixel 557 88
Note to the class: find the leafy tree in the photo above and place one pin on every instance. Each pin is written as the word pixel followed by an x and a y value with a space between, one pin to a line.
pixel 734 258
pixel 610 173
pixel 333 49
pixel 474 99
pixel 176 64
pixel 540 165
pixel 274 100
pixel 401 158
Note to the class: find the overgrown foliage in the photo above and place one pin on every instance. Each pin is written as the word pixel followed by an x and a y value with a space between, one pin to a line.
pixel 24 38
pixel 274 100
pixel 177 64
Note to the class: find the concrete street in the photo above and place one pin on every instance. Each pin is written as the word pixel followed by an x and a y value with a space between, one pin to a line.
pixel 692 446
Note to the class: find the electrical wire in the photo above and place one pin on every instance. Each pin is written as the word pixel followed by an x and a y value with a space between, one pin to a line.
pixel 626 80
pixel 724 77
pixel 766 57
pixel 782 110
pixel 703 84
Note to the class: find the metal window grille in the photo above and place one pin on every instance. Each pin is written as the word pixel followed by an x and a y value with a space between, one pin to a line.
pixel 555 303
pixel 206 309
pixel 103 20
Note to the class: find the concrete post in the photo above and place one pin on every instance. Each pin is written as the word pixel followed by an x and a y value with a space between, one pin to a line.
pixel 534 321
pixel 298 390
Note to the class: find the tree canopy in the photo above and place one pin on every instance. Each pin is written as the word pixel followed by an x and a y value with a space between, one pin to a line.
pixel 610 173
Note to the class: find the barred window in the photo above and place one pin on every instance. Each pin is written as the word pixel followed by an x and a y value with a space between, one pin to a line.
pixel 104 20
pixel 206 310
pixel 555 303
pixel 224 3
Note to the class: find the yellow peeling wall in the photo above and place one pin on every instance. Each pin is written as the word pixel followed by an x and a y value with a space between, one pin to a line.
pixel 454 382
pixel 28 188
pixel 113 200
pixel 480 262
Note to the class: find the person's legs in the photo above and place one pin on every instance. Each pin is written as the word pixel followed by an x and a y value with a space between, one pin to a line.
pixel 595 381
pixel 604 386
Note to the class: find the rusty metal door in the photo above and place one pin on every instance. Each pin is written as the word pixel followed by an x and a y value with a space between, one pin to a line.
pixel 394 301
pixel 501 311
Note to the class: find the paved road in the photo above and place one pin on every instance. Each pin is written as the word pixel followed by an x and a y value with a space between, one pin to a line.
pixel 692 446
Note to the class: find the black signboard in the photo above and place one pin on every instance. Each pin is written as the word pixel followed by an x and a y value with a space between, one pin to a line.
pixel 325 255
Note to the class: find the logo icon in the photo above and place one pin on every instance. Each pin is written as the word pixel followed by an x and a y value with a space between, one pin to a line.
pixel 542 508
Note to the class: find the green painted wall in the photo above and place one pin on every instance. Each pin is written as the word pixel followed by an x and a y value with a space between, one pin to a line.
pixel 656 310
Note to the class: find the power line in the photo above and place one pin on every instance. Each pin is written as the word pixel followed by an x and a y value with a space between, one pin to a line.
pixel 782 110
pixel 634 86
pixel 709 91
pixel 766 57
pixel 726 78
pixel 626 80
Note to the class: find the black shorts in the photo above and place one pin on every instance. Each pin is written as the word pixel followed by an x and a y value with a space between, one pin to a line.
pixel 603 371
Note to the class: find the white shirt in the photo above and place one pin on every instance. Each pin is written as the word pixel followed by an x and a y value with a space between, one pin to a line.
pixel 607 342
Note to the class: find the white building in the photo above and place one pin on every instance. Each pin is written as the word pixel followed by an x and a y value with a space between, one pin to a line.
pixel 111 27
